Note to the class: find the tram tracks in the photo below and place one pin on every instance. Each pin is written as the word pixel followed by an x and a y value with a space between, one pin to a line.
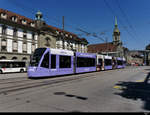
pixel 14 85
pixel 11 80
pixel 18 85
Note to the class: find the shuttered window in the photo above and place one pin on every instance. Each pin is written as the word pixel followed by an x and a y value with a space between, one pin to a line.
pixel 15 45
pixel 4 44
pixel 24 47
pixel 33 47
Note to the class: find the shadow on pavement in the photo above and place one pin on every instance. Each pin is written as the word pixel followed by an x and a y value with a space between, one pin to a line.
pixel 136 90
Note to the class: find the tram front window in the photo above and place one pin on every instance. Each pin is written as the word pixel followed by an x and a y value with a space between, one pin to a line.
pixel 36 57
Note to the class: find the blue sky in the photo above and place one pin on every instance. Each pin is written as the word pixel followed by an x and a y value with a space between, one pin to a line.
pixel 93 16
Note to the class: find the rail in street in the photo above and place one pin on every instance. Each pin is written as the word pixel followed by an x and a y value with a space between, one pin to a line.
pixel 91 92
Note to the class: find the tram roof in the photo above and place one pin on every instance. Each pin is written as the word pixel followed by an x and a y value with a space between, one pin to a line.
pixel 61 52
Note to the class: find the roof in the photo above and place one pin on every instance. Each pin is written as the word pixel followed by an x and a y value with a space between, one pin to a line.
pixel 60 30
pixel 19 17
pixel 104 47
pixel 29 21
pixel 66 32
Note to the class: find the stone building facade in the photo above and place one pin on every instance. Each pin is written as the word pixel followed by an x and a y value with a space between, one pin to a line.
pixel 20 36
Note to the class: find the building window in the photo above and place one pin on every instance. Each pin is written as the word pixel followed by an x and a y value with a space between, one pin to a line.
pixel 4 30
pixel 15 32
pixel 24 34
pixel 14 58
pixel 66 35
pixel 57 44
pixel 4 15
pixel 4 45
pixel 14 18
pixel 24 59
pixel 33 36
pixel 24 47
pixel 32 24
pixel 3 58
pixel 24 21
pixel 48 40
pixel 15 46
pixel 33 47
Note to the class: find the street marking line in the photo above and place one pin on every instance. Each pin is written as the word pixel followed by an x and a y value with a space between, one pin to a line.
pixel 140 80
pixel 119 87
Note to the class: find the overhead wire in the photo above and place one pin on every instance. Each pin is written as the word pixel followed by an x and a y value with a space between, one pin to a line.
pixel 126 18
pixel 32 11
pixel 110 8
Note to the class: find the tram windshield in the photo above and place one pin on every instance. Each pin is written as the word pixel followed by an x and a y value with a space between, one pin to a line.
pixel 36 57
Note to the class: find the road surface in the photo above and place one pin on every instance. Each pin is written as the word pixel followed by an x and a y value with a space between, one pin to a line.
pixel 122 90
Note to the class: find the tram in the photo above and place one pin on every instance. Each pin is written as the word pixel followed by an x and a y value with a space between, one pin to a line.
pixel 46 62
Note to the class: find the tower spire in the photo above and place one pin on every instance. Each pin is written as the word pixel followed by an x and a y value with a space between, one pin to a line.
pixel 116 33
pixel 116 23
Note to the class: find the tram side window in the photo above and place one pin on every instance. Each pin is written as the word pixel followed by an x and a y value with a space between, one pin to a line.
pixel 65 62
pixel 85 62
pixel 80 62
pixel 53 61
pixel 45 62
pixel 108 62
pixel 120 62
pixel 91 62
pixel 124 62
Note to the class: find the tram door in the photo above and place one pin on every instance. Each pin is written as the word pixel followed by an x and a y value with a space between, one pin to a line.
pixel 114 63
pixel 100 63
